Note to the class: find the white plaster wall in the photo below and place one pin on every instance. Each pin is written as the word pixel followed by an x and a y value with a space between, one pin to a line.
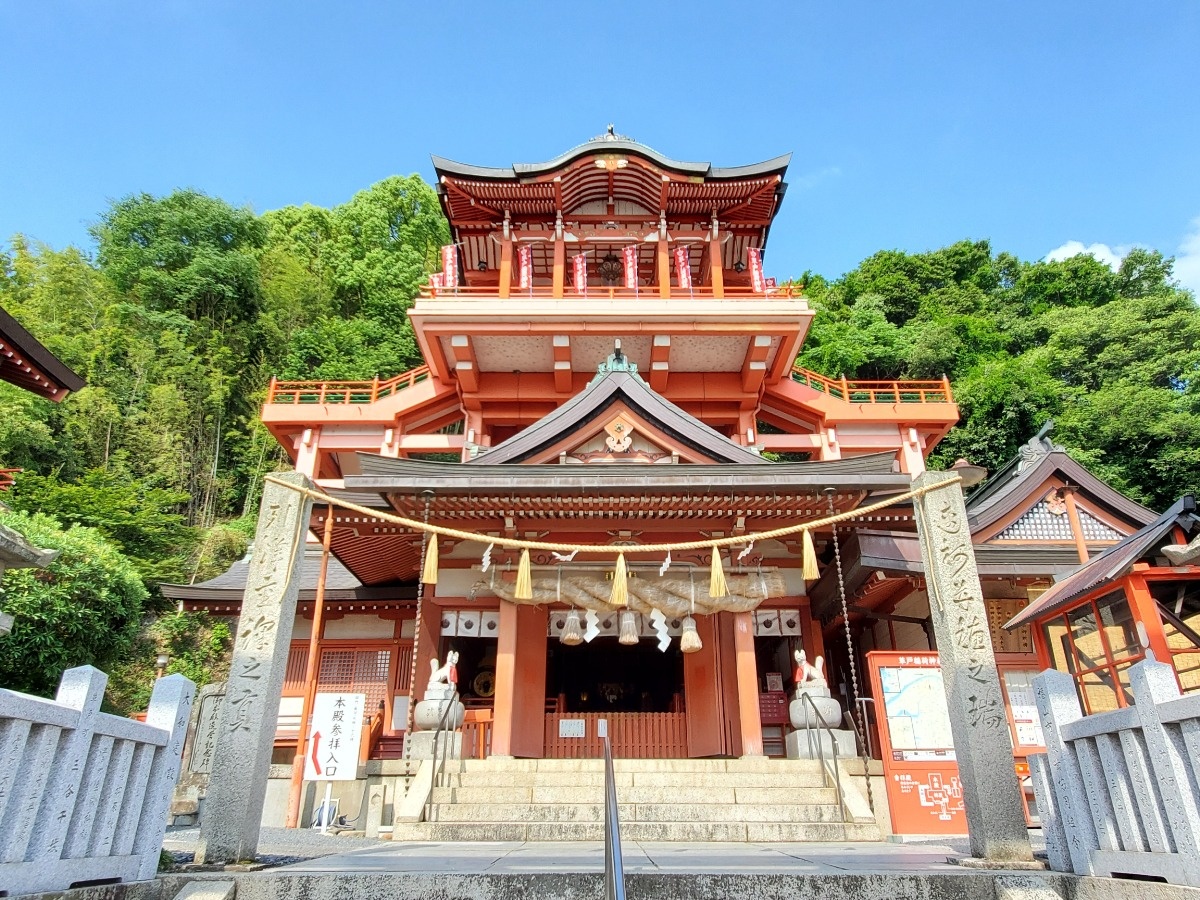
pixel 369 627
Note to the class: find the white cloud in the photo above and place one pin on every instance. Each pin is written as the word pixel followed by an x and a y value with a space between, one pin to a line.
pixel 1110 256
pixel 1187 259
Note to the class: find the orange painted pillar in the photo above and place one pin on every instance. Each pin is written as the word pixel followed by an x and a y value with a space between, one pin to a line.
pixel 560 266
pixel 664 268
pixel 506 670
pixel 519 722
pixel 747 684
pixel 506 260
pixel 1145 612
pixel 716 268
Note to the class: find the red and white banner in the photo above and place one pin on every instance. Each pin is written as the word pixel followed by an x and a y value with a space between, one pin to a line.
pixel 449 266
pixel 436 280
pixel 754 257
pixel 630 254
pixel 579 271
pixel 525 267
pixel 683 268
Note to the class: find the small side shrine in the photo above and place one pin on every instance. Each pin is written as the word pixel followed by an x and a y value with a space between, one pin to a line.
pixel 1138 599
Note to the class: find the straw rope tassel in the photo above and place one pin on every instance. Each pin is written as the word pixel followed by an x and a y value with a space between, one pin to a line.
pixel 811 572
pixel 524 586
pixel 717 586
pixel 620 588
pixel 430 573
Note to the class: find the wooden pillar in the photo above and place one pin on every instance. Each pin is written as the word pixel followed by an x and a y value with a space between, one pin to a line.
pixel 702 695
pixel 1145 613
pixel 664 268
pixel 716 267
pixel 312 670
pixel 560 266
pixel 425 647
pixel 1076 526
pixel 747 684
pixel 506 255
pixel 519 726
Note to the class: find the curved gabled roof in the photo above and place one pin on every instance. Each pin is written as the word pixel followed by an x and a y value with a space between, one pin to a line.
pixel 611 143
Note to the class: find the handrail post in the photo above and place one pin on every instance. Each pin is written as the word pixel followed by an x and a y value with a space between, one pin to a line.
pixel 614 864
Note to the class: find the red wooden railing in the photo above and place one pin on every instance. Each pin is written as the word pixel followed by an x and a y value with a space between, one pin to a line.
pixel 6 478
pixel 651 292
pixel 876 391
pixel 340 392
pixel 633 736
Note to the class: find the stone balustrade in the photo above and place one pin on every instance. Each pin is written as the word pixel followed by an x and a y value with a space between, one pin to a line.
pixel 84 794
pixel 1118 791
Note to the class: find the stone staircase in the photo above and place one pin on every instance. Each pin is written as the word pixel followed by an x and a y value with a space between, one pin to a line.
pixel 764 800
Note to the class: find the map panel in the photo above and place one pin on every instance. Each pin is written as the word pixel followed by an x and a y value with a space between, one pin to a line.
pixel 914 701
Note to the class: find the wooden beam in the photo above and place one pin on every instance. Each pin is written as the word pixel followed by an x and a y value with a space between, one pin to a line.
pixel 562 363
pixel 754 366
pixel 664 269
pixel 560 265
pixel 716 267
pixel 660 361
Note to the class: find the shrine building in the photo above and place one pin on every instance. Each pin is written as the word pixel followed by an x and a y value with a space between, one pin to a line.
pixel 606 362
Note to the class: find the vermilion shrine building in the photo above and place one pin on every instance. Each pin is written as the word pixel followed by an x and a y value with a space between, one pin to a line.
pixel 605 363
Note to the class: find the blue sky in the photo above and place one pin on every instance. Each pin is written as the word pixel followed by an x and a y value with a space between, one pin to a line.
pixel 1032 124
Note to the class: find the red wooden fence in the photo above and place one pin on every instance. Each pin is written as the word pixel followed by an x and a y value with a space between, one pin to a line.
pixel 633 736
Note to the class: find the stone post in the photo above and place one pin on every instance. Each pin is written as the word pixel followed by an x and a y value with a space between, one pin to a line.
pixel 979 725
pixel 246 733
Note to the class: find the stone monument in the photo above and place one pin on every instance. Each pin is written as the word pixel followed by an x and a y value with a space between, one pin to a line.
pixel 241 756
pixel 440 692
pixel 187 805
pixel 813 707
pixel 978 722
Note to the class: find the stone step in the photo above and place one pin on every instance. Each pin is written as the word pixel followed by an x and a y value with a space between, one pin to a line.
pixel 757 765
pixel 636 812
pixel 765 832
pixel 594 793
pixel 793 780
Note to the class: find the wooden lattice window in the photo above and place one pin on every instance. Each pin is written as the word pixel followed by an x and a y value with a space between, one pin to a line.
pixel 356 672
pixel 1097 642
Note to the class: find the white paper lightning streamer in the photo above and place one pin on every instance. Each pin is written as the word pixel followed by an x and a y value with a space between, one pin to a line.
pixel 564 557
pixel 659 621
pixel 746 552
pixel 662 570
pixel 487 557
pixel 593 625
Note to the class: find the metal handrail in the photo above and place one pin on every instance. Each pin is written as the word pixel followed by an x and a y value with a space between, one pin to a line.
pixel 833 742
pixel 614 865
pixel 440 768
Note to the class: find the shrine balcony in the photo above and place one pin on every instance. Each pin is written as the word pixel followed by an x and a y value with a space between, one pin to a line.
pixel 646 292
pixel 890 392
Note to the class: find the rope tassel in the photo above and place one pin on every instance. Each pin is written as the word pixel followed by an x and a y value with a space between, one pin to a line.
pixel 811 572
pixel 620 588
pixel 717 586
pixel 523 589
pixel 430 573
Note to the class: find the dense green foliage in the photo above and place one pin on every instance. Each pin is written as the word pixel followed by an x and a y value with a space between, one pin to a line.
pixel 85 608
pixel 1113 357
pixel 190 305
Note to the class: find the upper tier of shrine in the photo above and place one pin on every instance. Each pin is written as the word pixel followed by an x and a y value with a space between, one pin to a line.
pixel 552 264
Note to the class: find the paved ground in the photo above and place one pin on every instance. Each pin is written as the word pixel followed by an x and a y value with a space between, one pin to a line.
pixel 309 851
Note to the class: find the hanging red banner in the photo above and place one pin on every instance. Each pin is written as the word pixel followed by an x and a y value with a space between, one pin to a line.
pixel 449 266
pixel 630 254
pixel 579 270
pixel 435 280
pixel 754 257
pixel 683 268
pixel 525 266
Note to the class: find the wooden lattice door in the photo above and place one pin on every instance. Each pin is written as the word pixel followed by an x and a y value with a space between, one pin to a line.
pixel 356 672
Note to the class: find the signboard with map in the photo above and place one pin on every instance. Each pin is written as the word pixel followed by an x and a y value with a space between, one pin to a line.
pixel 924 793
pixel 916 743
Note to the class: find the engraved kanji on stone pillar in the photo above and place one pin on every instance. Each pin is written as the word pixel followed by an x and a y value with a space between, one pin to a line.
pixel 978 722
pixel 246 732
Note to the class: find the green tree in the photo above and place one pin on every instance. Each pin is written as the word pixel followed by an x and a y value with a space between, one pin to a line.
pixel 82 609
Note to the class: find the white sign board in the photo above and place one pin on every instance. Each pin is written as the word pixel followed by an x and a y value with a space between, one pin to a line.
pixel 334 737
pixel 572 728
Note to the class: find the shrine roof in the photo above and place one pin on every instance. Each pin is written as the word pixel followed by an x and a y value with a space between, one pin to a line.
pixel 1114 562
pixel 603 392
pixel 1019 480
pixel 872 472
pixel 611 143
pixel 230 585
pixel 29 365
